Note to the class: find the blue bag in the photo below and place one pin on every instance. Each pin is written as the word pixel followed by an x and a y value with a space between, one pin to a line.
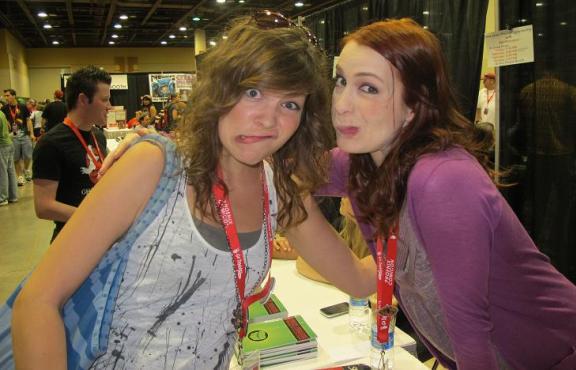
pixel 88 313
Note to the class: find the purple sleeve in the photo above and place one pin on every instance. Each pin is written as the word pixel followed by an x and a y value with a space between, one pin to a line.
pixel 454 208
pixel 339 164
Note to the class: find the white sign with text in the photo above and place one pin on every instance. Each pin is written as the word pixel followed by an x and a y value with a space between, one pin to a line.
pixel 508 47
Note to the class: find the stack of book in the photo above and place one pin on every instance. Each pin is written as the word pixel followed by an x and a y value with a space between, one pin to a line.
pixel 276 337
pixel 271 310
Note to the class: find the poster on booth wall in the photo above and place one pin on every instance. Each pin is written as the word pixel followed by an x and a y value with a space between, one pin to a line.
pixel 161 86
pixel 164 84
pixel 184 82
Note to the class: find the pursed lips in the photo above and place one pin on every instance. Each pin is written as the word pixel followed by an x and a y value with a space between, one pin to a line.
pixel 249 139
pixel 347 130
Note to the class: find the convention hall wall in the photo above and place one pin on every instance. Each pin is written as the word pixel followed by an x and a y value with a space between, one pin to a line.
pixel 35 72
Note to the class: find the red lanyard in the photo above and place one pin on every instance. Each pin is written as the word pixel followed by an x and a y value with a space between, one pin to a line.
pixel 385 274
pixel 489 98
pixel 98 163
pixel 227 219
pixel 14 113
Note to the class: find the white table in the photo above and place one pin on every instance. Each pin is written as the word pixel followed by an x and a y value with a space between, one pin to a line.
pixel 336 345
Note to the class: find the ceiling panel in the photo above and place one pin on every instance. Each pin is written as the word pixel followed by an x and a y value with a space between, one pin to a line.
pixel 91 23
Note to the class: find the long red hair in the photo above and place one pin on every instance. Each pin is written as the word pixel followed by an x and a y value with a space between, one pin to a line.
pixel 437 124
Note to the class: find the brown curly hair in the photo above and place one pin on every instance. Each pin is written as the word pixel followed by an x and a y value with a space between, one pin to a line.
pixel 280 59
pixel 437 124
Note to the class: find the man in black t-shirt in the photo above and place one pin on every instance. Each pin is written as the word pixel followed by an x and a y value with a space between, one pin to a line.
pixel 55 112
pixel 67 158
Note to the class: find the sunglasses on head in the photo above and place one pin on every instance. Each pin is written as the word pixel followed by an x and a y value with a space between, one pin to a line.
pixel 266 19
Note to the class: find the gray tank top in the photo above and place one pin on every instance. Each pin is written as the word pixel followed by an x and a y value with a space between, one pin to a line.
pixel 176 302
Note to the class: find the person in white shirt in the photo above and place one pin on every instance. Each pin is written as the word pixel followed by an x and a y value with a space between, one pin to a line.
pixel 486 107
pixel 35 116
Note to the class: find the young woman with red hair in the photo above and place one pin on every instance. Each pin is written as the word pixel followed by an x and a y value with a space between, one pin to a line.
pixel 468 277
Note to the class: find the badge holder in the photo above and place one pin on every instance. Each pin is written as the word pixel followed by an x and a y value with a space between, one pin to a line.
pixel 382 354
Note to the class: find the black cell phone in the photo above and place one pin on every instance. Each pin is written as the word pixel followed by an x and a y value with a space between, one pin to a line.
pixel 335 310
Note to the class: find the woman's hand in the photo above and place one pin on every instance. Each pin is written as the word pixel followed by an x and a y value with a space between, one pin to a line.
pixel 111 158
pixel 282 249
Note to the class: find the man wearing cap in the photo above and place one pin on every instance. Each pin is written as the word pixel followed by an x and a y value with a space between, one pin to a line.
pixel 55 112
pixel 486 107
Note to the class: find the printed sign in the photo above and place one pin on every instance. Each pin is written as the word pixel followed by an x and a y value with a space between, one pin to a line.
pixel 119 82
pixel 508 47
pixel 162 85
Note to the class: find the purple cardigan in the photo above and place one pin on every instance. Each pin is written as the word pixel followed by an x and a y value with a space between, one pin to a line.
pixel 470 280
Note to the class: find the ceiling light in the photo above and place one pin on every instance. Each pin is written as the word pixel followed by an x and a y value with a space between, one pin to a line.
pixel 114 36
pixel 365 8
pixel 322 21
pixel 111 42
pixel 426 12
pixel 299 4
pixel 563 23
pixel 55 43
pixel 117 26
pixel 47 26
pixel 537 4
pixel 212 43
pixel 42 14
pixel 224 37
pixel 221 1
pixel 540 34
pixel 123 16
pixel 182 28
pixel 185 36
pixel 196 19
pixel 172 36
pixel 241 1
pixel 163 42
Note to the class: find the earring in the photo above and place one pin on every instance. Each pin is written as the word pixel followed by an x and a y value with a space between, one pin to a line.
pixel 404 123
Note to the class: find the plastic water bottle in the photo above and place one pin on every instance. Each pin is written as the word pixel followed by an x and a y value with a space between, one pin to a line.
pixel 359 316
pixel 381 354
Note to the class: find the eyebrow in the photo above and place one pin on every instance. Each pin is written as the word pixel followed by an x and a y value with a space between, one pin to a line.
pixel 361 74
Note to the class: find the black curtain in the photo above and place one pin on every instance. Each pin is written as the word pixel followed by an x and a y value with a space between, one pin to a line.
pixel 538 127
pixel 459 24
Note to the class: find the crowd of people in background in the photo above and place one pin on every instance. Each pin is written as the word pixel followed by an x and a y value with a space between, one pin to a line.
pixel 24 121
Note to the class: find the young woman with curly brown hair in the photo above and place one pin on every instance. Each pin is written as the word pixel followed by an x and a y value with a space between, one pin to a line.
pixel 263 94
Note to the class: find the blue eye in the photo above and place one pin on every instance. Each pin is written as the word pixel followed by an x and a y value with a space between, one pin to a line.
pixel 253 93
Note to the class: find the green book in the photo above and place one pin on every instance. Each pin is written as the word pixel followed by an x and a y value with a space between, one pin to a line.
pixel 273 338
pixel 271 310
